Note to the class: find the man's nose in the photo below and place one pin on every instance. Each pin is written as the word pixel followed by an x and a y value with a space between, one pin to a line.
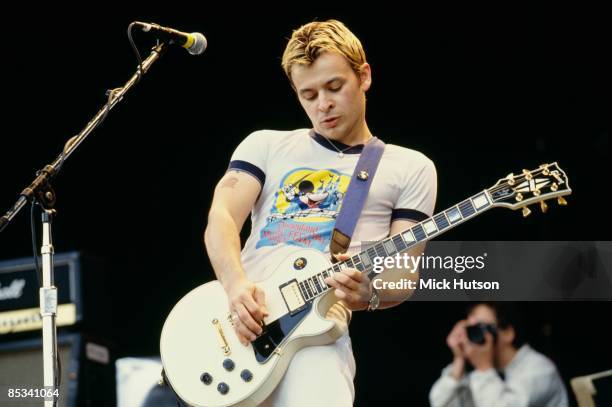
pixel 325 104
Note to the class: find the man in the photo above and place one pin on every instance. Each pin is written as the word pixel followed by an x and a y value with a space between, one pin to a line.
pixel 293 184
pixel 529 378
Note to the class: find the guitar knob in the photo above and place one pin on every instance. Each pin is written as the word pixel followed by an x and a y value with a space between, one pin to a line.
pixel 246 375
pixel 223 388
pixel 206 378
pixel 229 365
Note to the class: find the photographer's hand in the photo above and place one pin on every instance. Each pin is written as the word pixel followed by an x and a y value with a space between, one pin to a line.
pixel 455 341
pixel 480 356
pixel 456 338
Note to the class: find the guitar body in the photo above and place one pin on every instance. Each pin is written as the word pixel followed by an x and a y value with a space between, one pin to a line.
pixel 198 337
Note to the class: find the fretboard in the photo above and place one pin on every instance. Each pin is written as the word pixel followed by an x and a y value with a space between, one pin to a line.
pixel 429 228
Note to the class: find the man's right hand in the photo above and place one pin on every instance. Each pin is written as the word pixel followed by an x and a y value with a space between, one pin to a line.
pixel 247 303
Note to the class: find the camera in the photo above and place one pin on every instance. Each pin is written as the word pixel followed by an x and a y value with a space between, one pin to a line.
pixel 476 333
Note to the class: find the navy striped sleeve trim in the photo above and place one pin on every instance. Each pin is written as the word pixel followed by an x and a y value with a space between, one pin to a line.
pixel 247 167
pixel 408 214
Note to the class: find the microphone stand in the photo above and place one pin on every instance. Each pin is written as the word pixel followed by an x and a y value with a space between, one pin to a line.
pixel 40 191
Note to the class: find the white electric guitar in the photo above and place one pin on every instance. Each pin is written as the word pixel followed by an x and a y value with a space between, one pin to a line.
pixel 206 365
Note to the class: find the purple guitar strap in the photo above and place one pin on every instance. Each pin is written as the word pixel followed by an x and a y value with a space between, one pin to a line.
pixel 357 192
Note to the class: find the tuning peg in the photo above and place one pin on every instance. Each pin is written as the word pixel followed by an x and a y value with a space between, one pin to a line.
pixel 526 211
pixel 561 201
pixel 510 179
pixel 543 206
pixel 528 175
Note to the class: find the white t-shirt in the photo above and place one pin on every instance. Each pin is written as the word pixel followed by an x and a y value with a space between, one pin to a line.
pixel 531 380
pixel 304 182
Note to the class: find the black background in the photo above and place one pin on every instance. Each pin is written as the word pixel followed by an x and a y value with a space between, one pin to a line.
pixel 482 92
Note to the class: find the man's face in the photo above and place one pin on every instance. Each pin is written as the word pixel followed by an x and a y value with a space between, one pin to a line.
pixel 332 95
pixel 484 314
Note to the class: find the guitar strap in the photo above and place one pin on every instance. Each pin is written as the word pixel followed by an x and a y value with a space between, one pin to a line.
pixel 356 194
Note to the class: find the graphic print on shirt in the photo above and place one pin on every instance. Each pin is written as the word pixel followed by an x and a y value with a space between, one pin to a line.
pixel 305 209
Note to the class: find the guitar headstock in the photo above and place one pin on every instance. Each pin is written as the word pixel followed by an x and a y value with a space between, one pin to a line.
pixel 548 181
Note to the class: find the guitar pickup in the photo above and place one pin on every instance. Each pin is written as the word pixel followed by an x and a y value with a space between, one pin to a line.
pixel 292 296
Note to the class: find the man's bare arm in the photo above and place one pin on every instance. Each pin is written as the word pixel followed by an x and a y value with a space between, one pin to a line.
pixel 392 297
pixel 234 197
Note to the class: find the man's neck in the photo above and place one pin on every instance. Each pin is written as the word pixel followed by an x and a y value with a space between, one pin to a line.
pixel 505 357
pixel 359 135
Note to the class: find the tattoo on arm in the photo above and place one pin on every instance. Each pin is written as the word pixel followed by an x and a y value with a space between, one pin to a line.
pixel 229 182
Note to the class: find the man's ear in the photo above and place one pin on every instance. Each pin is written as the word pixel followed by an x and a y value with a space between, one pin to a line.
pixel 365 76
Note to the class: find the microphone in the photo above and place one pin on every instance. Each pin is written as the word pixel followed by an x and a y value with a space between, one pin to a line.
pixel 195 43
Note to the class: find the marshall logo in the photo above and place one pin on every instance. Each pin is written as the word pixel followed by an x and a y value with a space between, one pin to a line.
pixel 13 291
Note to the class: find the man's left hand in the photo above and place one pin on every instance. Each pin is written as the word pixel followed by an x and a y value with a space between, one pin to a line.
pixel 351 286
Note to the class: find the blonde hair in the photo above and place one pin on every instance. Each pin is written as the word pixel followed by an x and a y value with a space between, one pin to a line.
pixel 310 40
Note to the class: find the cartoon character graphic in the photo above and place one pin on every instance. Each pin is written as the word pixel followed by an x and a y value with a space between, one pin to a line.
pixel 305 208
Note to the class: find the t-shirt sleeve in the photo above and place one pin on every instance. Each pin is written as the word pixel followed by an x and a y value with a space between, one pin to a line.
pixel 251 156
pixel 417 197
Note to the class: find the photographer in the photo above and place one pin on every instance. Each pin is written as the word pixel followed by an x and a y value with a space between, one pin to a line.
pixel 506 372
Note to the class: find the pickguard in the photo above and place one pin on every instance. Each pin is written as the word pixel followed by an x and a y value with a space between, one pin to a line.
pixel 275 333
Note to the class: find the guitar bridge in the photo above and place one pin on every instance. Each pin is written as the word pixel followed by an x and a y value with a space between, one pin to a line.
pixel 221 337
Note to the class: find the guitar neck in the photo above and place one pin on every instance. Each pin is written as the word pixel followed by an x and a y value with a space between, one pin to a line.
pixel 423 231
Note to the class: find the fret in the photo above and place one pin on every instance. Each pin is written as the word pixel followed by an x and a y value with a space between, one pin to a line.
pixel 372 253
pixel 441 221
pixel 466 208
pixel 365 259
pixel 430 227
pixel 336 268
pixel 357 262
pixel 399 243
pixel 307 289
pixel 408 238
pixel 389 247
pixel 322 281
pixel 454 215
pixel 312 287
pixel 302 290
pixel 481 201
pixel 349 264
pixel 419 233
pixel 380 250
pixel 317 284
